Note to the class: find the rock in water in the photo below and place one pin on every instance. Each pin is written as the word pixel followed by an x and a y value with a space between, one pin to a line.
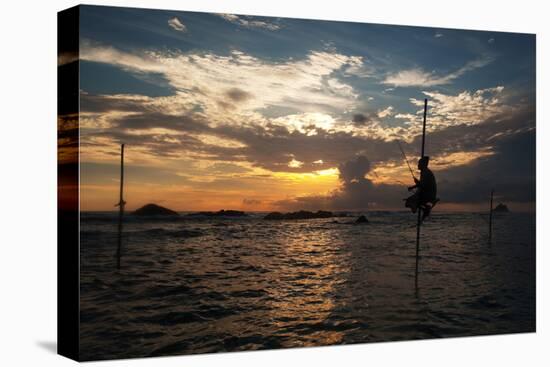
pixel 154 210
pixel 362 219
pixel 501 208
pixel 274 216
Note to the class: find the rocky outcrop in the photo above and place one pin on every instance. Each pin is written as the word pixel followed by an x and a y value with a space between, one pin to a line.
pixel 501 208
pixel 154 210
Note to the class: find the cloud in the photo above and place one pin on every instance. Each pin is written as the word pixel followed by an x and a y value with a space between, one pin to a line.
pixel 360 70
pixel 295 163
pixel 417 77
pixel 354 170
pixel 250 22
pixel 238 95
pixel 317 130
pixel 388 111
pixel 173 126
pixel 356 192
pixel 509 169
pixel 242 90
pixel 109 120
pixel 158 138
pixel 359 119
pixel 468 161
pixel 177 25
pixel 468 108
pixel 64 58
pixel 204 79
pixel 249 201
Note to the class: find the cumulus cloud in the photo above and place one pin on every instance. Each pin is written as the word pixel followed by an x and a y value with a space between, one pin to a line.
pixel 177 25
pixel 250 22
pixel 466 107
pixel 418 77
pixel 207 80
pixel 388 111
pixel 354 170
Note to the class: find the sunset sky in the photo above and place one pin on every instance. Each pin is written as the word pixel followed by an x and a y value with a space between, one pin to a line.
pixel 223 111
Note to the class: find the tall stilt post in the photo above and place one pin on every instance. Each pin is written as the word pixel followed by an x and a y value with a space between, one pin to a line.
pixel 419 220
pixel 491 216
pixel 120 206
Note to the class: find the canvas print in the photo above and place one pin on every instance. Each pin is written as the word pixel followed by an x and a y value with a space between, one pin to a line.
pixel 235 182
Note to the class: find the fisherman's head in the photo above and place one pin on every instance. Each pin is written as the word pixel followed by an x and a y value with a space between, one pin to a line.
pixel 423 162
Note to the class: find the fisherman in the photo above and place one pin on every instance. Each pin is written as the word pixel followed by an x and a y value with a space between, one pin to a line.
pixel 425 196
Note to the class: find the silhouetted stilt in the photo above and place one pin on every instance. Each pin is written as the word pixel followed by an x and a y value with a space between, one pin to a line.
pixel 491 216
pixel 419 221
pixel 120 205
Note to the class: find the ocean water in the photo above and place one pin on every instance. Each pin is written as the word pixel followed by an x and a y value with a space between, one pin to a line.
pixel 203 285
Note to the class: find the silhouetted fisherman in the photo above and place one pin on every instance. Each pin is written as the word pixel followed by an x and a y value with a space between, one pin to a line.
pixel 425 196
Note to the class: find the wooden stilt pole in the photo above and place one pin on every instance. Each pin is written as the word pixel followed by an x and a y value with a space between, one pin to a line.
pixel 419 220
pixel 120 206
pixel 491 216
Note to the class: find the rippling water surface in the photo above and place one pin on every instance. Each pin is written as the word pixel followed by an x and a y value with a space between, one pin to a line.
pixel 201 285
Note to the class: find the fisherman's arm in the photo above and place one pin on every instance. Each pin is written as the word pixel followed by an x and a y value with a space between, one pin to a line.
pixel 416 184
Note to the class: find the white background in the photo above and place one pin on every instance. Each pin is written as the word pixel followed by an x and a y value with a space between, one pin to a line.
pixel 28 182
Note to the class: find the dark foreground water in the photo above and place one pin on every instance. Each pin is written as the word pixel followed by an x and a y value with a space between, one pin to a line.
pixel 214 285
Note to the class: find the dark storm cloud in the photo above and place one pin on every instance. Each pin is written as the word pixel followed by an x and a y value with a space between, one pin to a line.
pixel 238 95
pixel 354 170
pixel 359 119
pixel 274 148
pixel 510 171
pixel 467 138
pixel 358 192
pixel 363 118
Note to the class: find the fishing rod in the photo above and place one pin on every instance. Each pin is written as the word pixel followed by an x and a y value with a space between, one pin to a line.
pixel 406 160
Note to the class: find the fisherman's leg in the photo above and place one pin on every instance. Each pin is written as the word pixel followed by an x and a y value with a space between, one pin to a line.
pixel 412 202
pixel 426 210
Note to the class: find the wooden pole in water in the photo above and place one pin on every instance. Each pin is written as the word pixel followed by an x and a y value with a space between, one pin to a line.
pixel 419 220
pixel 491 216
pixel 120 206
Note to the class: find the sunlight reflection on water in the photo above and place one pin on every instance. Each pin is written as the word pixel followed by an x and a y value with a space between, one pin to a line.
pixel 210 285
